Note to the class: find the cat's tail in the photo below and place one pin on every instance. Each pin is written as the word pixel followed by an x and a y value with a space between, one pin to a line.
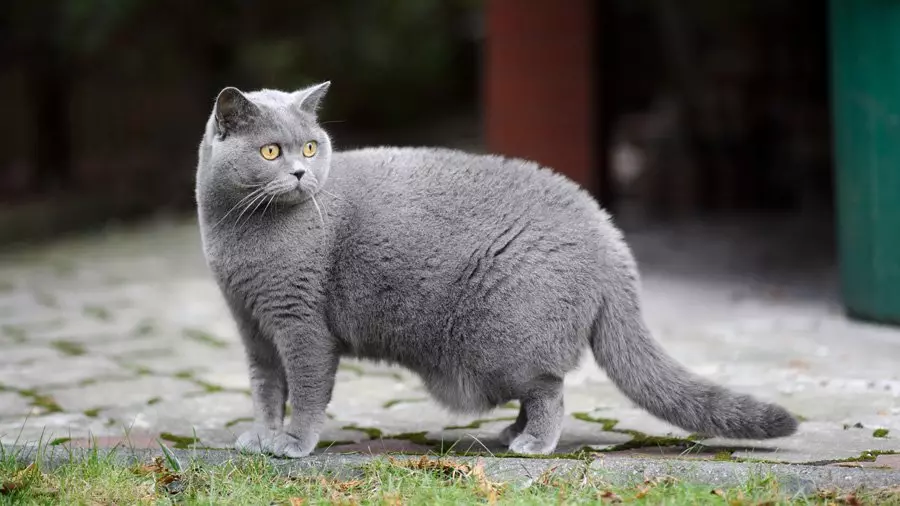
pixel 643 371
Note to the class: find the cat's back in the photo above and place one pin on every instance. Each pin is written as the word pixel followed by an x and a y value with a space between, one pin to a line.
pixel 450 181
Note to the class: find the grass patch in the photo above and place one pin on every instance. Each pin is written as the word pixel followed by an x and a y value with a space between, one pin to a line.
pixel 203 337
pixel 69 348
pixel 96 479
pixel 880 433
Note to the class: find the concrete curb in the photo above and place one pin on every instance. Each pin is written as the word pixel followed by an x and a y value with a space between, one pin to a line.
pixel 793 478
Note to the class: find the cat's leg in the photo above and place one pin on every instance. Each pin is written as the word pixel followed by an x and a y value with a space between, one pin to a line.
pixel 310 363
pixel 514 429
pixel 268 388
pixel 543 413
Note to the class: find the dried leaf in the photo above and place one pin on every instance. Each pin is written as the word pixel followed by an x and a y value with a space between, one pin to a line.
pixel 157 468
pixel 718 491
pixel 393 500
pixel 850 500
pixel 642 492
pixel 18 480
pixel 610 496
pixel 297 501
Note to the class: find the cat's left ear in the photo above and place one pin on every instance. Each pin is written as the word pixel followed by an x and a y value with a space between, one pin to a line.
pixel 309 99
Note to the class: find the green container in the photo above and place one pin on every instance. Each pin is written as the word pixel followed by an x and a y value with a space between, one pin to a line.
pixel 865 58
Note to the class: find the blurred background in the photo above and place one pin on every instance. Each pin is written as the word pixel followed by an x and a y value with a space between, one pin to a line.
pixel 672 113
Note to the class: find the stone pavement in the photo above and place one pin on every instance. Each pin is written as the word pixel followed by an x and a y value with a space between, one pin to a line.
pixel 122 338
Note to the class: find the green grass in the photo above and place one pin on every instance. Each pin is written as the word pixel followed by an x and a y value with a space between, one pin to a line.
pixel 880 433
pixel 97 479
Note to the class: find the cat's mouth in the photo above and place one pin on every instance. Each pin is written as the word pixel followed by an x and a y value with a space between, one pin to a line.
pixel 296 190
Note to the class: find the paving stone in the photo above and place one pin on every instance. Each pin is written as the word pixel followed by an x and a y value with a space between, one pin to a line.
pixel 57 371
pixel 13 405
pixel 780 341
pixel 134 392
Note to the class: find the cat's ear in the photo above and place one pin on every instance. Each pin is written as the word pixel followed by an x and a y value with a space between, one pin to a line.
pixel 233 110
pixel 309 99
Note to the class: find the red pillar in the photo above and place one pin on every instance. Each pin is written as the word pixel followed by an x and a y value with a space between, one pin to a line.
pixel 540 89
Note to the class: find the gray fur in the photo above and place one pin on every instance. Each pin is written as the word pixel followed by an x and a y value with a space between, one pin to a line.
pixel 487 276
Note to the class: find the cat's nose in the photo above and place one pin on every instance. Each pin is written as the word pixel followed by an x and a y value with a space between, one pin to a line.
pixel 298 173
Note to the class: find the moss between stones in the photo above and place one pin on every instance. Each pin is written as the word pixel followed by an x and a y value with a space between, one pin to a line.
pixel 97 312
pixel 154 400
pixel 45 402
pixel 209 388
pixel 393 402
pixel 70 348
pixel 475 424
pixel 329 444
pixel 92 413
pixel 608 423
pixel 372 432
pixel 201 336
pixel 47 300
pixel 882 433
pixel 638 439
pixel 231 423
pixel 180 442
pixel 14 333
pixel 144 328
pixel 868 456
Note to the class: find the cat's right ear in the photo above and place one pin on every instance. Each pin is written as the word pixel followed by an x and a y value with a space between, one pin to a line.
pixel 233 110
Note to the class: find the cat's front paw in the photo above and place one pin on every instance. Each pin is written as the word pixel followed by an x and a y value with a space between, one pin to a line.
pixel 256 440
pixel 508 434
pixel 276 443
pixel 293 447
pixel 526 444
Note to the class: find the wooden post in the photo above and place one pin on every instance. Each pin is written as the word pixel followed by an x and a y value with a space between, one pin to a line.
pixel 540 87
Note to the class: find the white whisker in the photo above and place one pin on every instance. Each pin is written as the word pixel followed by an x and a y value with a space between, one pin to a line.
pixel 271 199
pixel 332 194
pixel 258 198
pixel 321 219
pixel 250 195
pixel 258 203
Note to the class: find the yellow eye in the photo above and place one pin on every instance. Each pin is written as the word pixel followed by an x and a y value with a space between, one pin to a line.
pixel 270 151
pixel 310 148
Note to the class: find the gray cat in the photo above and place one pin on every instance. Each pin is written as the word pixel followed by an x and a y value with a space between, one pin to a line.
pixel 486 276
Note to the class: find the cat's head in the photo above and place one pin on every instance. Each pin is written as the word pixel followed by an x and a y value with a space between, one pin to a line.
pixel 264 146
